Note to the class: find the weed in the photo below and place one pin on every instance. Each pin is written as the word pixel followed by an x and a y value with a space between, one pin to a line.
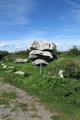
pixel 9 95
pixel 4 101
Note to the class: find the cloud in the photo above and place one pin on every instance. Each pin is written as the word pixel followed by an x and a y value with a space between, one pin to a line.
pixel 65 38
pixel 20 46
pixel 62 43
pixel 2 44
pixel 73 4
pixel 76 14
pixel 17 11
pixel 75 9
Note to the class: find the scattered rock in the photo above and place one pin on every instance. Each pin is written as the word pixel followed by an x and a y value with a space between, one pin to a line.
pixel 11 67
pixel 61 74
pixel 4 66
pixel 21 73
pixel 20 60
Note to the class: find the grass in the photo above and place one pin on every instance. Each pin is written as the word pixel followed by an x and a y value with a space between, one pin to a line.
pixel 20 105
pixel 61 95
pixel 6 97
pixel 23 106
pixel 4 101
pixel 9 95
pixel 56 118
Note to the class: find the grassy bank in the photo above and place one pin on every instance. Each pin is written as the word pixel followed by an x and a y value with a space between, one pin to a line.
pixel 61 95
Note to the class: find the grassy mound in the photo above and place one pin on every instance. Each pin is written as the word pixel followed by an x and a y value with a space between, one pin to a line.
pixel 59 94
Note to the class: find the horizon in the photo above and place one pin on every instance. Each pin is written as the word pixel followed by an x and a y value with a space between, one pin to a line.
pixel 22 22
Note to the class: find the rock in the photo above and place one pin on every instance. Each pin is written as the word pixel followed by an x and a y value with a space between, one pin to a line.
pixel 21 73
pixel 40 54
pixel 4 66
pixel 61 74
pixel 20 60
pixel 11 67
pixel 40 45
pixel 39 61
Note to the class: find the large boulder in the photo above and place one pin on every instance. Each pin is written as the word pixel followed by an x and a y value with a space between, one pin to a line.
pixel 40 45
pixel 40 54
pixel 39 62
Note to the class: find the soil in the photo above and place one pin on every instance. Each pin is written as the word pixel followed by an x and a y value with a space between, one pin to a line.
pixel 22 106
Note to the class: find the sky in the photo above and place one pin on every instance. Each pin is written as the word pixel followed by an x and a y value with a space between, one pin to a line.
pixel 54 21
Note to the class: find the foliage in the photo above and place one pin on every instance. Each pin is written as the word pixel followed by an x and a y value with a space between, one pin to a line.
pixel 74 51
pixel 70 67
pixel 59 94
pixel 22 53
pixel 9 95
pixel 72 70
pixel 3 54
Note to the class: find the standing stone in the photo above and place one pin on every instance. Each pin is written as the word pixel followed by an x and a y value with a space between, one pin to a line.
pixel 42 53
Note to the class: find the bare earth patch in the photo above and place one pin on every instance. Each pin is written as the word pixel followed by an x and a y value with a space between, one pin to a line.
pixel 16 104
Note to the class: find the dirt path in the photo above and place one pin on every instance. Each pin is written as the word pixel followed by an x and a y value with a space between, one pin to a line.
pixel 16 104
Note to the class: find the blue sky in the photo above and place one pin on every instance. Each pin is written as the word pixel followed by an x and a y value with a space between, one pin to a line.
pixel 23 21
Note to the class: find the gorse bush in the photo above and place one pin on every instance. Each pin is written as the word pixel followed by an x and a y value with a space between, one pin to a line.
pixel 72 70
pixel 74 51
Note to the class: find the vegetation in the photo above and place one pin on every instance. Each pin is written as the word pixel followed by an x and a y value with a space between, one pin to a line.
pixel 21 105
pixel 6 97
pixel 9 95
pixel 74 51
pixel 3 54
pixel 22 54
pixel 61 95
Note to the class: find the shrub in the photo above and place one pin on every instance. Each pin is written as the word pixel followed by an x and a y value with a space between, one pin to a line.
pixel 74 51
pixel 3 54
pixel 72 70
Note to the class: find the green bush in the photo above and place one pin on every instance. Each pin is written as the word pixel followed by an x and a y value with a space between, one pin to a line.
pixel 3 54
pixel 74 51
pixel 72 70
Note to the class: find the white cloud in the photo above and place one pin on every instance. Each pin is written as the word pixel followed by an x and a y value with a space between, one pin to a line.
pixel 75 9
pixel 76 14
pixel 73 4
pixel 63 39
pixel 20 46
pixel 17 11
pixel 62 44
pixel 2 44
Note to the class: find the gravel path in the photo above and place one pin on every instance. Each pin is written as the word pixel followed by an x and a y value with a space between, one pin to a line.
pixel 16 104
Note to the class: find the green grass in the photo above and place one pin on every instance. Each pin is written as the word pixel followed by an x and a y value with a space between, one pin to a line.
pixel 56 118
pixel 20 105
pixel 61 95
pixel 5 97
pixel 9 95
pixel 4 101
